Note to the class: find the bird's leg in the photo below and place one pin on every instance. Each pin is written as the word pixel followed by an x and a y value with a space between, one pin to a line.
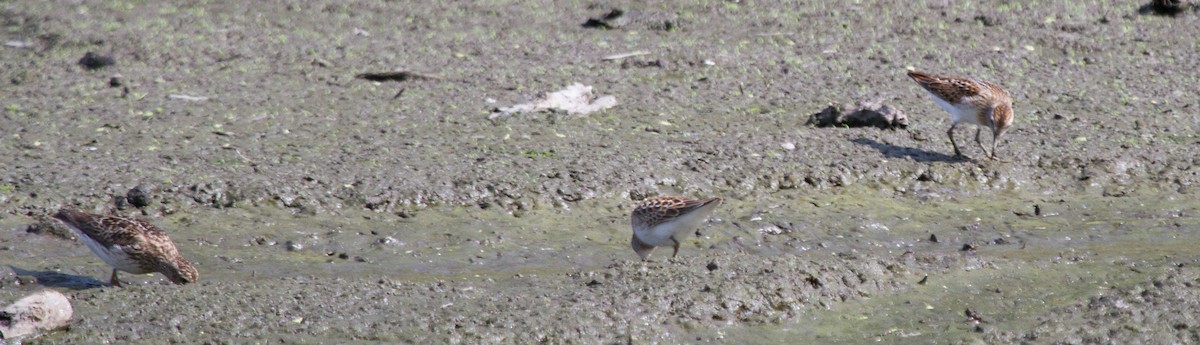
pixel 676 245
pixel 115 282
pixel 950 132
pixel 980 142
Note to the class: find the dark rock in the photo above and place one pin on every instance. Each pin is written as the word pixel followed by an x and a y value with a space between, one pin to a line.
pixel 139 196
pixel 602 22
pixel 1164 7
pixel 93 61
pixel 973 315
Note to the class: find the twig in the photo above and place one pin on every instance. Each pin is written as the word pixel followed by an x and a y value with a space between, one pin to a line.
pixel 396 76
pixel 625 55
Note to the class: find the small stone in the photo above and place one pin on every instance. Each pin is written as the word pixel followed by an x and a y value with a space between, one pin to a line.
pixel 712 266
pixel 139 196
pixel 93 61
pixel 388 240
pixel 293 246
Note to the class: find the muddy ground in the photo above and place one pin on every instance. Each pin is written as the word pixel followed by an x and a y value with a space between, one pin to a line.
pixel 320 208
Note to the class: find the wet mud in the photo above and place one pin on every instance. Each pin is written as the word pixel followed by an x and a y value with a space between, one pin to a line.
pixel 324 208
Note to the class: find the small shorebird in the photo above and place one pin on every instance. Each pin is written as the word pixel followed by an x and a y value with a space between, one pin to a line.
pixel 129 245
pixel 970 100
pixel 665 221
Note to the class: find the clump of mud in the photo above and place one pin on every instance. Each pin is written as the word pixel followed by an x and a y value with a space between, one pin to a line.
pixel 872 113
pixel 635 20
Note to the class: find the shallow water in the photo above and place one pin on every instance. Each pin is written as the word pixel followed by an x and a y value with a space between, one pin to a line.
pixel 1024 269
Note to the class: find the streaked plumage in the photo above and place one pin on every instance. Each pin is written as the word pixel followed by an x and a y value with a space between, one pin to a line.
pixel 665 221
pixel 970 100
pixel 129 245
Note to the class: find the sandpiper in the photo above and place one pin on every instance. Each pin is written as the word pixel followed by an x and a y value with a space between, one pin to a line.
pixel 129 245
pixel 665 221
pixel 970 100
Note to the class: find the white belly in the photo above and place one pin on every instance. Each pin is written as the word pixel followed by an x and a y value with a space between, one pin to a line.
pixel 958 112
pixel 662 234
pixel 114 256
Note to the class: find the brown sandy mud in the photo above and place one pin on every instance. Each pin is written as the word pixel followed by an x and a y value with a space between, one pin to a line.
pixel 324 208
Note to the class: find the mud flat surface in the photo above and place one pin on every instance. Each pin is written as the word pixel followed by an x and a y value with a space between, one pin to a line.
pixel 321 208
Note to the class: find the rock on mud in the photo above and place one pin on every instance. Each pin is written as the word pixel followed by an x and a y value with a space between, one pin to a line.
pixel 634 19
pixel 1165 7
pixel 139 196
pixel 865 114
pixel 43 311
pixel 93 61
pixel 576 99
